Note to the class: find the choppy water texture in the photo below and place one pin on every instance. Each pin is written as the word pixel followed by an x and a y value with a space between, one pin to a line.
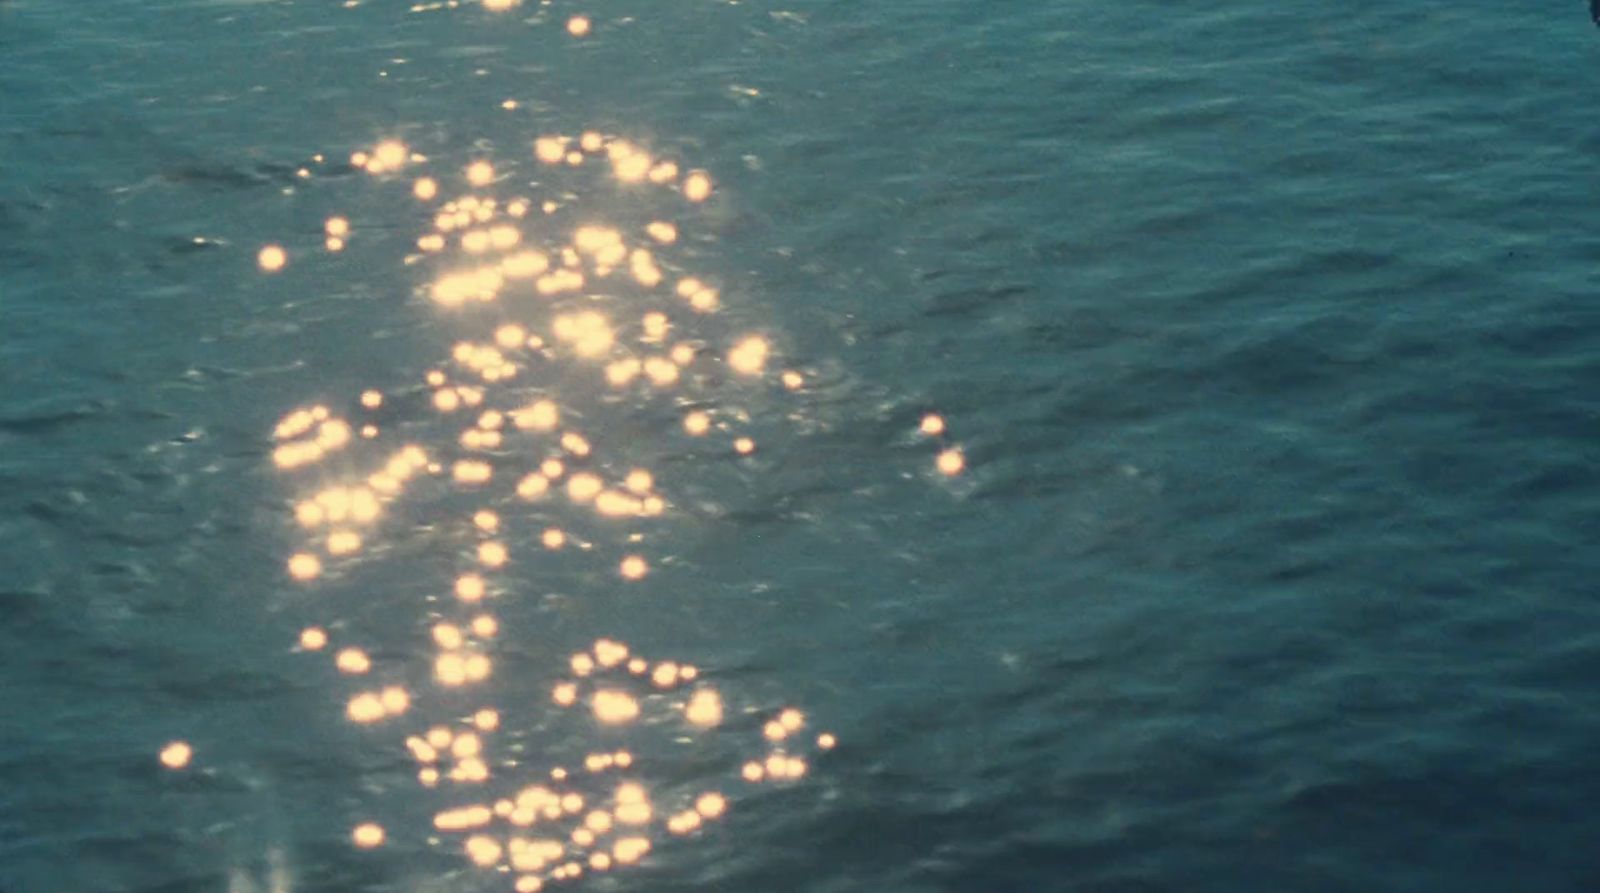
pixel 1267 335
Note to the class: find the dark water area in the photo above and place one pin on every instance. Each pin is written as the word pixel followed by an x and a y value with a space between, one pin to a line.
pixel 1269 333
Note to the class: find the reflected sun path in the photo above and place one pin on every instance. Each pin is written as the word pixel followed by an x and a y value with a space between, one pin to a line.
pixel 571 313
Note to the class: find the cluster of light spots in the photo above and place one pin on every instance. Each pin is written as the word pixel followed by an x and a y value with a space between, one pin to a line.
pixel 574 316
pixel 310 435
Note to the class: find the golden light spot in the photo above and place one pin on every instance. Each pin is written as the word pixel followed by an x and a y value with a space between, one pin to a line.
pixel 395 700
pixel 421 750
pixel 510 336
pixel 620 372
pixel 633 567
pixel 932 425
pixel 542 415
pixel 450 670
pixel 388 155
pixel 793 380
pixel 711 805
pixel 343 542
pixel 492 554
pixel 486 719
pixel 630 849
pixel 468 471
pixel 334 244
pixel 704 709
pixel 483 851
pixel 463 818
pixel 683 822
pixel 353 661
pixel 499 5
pixel 425 189
pixel 774 731
pixel 665 675
pixel 305 566
pixel 272 258
pixel 791 719
pixel 448 636
pixel 583 487
pixel 553 538
pixel 575 444
pixel 578 26
pixel 612 706
pixel 550 149
pixel 663 231
pixel 371 399
pixel 582 664
pixel 439 736
pixel 367 835
pixel 655 325
pixel 639 481
pixel 533 486
pixel 176 755
pixel 486 521
pixel 480 173
pixel 753 772
pixel 826 741
pixel 664 173
pixel 365 708
pixel 683 354
pixel 478 667
pixel 313 638
pixel 697 423
pixel 610 653
pixel 744 446
pixel 466 746
pixel 469 586
pixel 485 626
pixel 565 694
pixel 338 227
pixel 697 186
pixel 591 141
pixel 661 372
pixel 951 462
pixel 749 356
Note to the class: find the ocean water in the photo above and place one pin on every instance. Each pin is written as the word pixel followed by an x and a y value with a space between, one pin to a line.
pixel 1267 331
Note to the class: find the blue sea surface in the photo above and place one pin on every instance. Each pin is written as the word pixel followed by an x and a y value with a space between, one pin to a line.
pixel 1269 331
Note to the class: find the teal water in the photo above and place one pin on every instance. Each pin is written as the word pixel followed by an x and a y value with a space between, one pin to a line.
pixel 1269 333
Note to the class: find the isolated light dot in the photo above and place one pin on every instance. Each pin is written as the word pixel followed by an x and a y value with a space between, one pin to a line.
pixel 951 462
pixel 697 186
pixel 176 755
pixel 578 26
pixel 272 258
pixel 634 567
pixel 367 835
pixel 932 425
pixel 305 566
pixel 313 638
pixel 353 661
